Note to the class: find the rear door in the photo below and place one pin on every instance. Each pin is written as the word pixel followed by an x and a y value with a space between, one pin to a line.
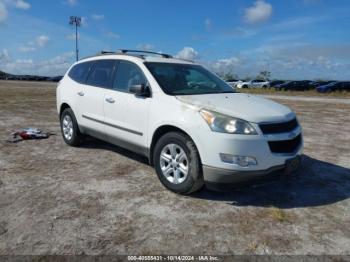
pixel 77 78
pixel 126 115
pixel 98 81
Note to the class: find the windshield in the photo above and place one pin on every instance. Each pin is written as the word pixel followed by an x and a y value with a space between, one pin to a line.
pixel 187 79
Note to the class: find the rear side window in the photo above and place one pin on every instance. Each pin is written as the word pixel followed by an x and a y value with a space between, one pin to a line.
pixel 79 72
pixel 101 73
pixel 128 74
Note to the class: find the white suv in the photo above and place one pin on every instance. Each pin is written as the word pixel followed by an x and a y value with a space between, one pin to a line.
pixel 257 83
pixel 190 124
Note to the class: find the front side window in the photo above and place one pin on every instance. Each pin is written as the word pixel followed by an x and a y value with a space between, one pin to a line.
pixel 187 79
pixel 128 74
pixel 79 72
pixel 101 73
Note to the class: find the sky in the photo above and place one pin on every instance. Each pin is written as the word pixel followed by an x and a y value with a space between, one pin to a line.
pixel 293 39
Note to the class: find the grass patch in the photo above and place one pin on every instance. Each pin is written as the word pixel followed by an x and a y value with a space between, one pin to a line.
pixel 279 215
pixel 252 247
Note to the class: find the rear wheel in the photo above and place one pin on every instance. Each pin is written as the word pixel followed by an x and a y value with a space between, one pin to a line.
pixel 70 129
pixel 177 163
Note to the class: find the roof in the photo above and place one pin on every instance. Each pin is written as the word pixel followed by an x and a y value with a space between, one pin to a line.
pixel 144 56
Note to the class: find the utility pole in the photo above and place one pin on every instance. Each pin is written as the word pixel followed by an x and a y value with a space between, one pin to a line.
pixel 75 20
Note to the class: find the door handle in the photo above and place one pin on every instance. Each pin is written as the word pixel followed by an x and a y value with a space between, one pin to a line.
pixel 81 93
pixel 110 100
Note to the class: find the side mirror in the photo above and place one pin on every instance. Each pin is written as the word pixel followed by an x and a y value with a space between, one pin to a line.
pixel 140 90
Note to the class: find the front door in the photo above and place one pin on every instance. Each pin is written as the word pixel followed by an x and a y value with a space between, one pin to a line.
pixel 126 115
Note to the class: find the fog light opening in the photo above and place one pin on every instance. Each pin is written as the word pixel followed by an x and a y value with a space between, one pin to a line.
pixel 242 161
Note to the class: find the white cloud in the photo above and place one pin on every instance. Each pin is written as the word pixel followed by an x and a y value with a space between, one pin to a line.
pixel 238 32
pixel 72 2
pixel 21 4
pixel 208 24
pixel 258 13
pixel 51 67
pixel 298 22
pixel 187 53
pixel 3 13
pixel 72 36
pixel 145 47
pixel 97 17
pixel 4 56
pixel 39 42
pixel 84 21
pixel 304 51
pixel 308 2
pixel 27 49
pixel 223 66
pixel 112 35
pixel 42 40
pixel 289 61
pixel 4 4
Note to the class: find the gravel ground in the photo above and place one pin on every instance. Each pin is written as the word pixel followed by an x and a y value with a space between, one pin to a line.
pixel 331 100
pixel 101 199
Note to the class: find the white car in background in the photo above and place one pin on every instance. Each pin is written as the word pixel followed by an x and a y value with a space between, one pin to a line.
pixel 257 83
pixel 233 82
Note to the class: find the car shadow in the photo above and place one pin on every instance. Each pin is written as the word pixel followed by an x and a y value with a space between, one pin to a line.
pixel 94 143
pixel 316 183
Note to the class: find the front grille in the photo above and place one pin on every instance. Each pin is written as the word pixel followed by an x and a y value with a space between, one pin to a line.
pixel 285 146
pixel 283 127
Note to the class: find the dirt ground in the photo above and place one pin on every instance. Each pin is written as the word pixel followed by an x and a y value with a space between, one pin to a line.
pixel 100 199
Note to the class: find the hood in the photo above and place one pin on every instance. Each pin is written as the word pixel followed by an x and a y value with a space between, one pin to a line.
pixel 244 106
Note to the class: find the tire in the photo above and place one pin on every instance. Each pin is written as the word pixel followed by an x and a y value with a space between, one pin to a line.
pixel 244 86
pixel 181 183
pixel 68 121
pixel 264 87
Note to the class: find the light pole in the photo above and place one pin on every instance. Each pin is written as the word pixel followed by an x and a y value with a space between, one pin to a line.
pixel 75 20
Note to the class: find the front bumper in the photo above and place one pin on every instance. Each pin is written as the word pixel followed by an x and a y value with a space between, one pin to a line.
pixel 211 144
pixel 218 178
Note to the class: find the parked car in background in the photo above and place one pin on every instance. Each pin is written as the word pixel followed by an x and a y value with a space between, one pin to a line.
pixel 314 84
pixel 233 82
pixel 294 85
pixel 283 85
pixel 276 82
pixel 334 86
pixel 256 83
pixel 11 77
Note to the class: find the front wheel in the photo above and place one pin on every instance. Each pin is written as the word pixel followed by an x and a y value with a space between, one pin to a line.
pixel 70 129
pixel 177 163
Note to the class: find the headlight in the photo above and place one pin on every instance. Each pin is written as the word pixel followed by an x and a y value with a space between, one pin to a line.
pixel 226 124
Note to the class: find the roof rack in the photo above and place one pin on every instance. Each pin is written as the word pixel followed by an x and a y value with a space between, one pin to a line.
pixel 124 51
pixel 106 52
